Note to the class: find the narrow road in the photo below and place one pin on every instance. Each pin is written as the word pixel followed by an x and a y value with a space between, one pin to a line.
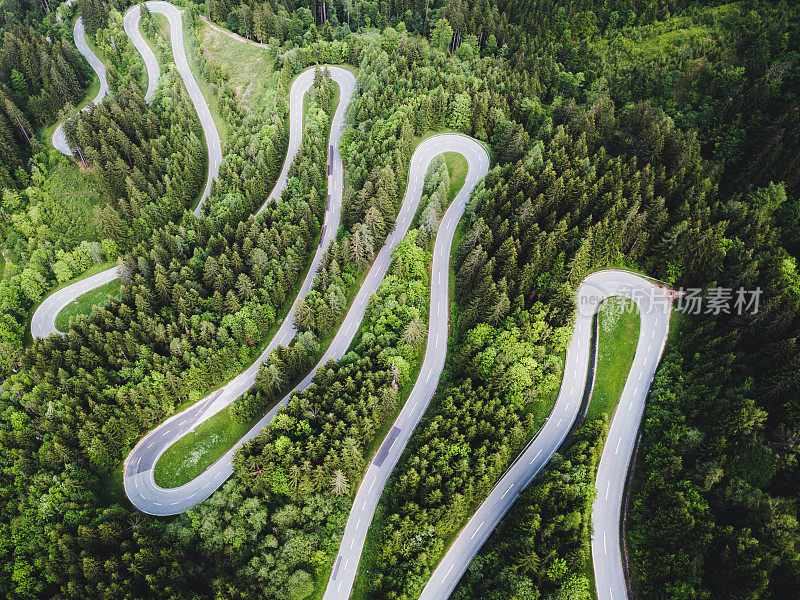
pixel 369 492
pixel 139 482
pixel 654 306
pixel 131 25
pixel 79 34
pixel 43 322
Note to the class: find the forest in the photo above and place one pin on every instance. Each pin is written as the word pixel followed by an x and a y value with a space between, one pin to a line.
pixel 658 137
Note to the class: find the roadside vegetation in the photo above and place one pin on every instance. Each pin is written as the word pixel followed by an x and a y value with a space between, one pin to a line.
pixel 662 136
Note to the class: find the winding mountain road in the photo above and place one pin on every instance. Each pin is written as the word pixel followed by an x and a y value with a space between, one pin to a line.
pixel 43 321
pixel 653 302
pixel 139 481
pixel 654 307
pixel 173 15
pixel 79 34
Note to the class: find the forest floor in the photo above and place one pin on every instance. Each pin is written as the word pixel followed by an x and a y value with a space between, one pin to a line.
pixel 82 305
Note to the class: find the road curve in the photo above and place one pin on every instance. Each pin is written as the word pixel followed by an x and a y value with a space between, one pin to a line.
pixel 131 24
pixel 79 34
pixel 139 482
pixel 43 322
pixel 345 565
pixel 654 307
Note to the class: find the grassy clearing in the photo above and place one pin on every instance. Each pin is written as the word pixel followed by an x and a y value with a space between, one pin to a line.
pixel 93 270
pixel 192 454
pixel 249 67
pixel 619 334
pixel 457 167
pixel 82 305
pixel 618 324
pixel 74 195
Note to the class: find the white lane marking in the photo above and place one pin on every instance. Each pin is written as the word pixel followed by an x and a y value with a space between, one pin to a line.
pixel 535 457
pixel 448 572
pixel 352 540
pixel 427 379
pixel 649 346
pixel 610 593
pixel 559 422
pixel 605 549
pixel 358 523
pixel 414 407
pixel 508 490
pixel 619 441
pixel 477 529
pixel 608 485
pixel 364 506
pixel 151 443
pixel 369 491
pixel 640 375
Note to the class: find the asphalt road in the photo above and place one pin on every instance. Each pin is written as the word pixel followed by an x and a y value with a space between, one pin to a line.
pixel 654 307
pixel 43 322
pixel 79 33
pixel 131 25
pixel 369 492
pixel 139 481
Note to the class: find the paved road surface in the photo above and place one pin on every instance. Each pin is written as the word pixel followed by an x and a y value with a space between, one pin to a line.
pixel 79 33
pixel 139 482
pixel 131 24
pixel 43 322
pixel 369 492
pixel 655 311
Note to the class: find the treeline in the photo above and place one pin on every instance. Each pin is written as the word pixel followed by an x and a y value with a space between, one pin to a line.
pixel 197 300
pixel 541 547
pixel 37 78
pixel 293 482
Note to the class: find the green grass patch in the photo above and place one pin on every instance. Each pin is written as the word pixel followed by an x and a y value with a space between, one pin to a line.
pixel 248 67
pixel 618 324
pixel 195 452
pixel 74 194
pixel 457 167
pixel 82 305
